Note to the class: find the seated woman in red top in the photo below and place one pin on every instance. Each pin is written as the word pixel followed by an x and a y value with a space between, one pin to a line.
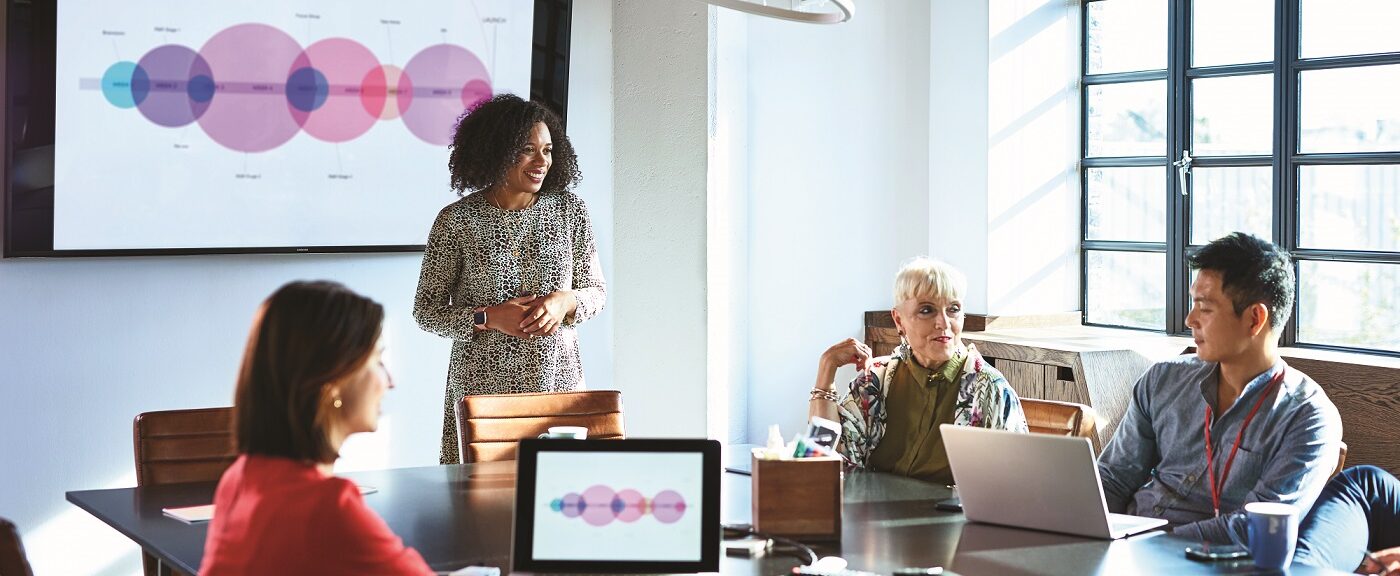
pixel 311 377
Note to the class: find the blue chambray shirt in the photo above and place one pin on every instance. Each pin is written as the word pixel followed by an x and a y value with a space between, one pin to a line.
pixel 1156 463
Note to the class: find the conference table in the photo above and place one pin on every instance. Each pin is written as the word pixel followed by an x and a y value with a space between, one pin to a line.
pixel 460 515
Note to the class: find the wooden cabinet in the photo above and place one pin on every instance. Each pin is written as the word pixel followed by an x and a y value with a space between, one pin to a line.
pixel 1095 372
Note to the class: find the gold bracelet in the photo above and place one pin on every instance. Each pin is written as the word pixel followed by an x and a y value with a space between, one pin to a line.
pixel 820 394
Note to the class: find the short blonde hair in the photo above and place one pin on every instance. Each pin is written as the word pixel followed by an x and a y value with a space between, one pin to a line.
pixel 929 279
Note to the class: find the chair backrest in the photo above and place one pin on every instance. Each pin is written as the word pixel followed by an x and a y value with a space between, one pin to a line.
pixel 12 559
pixel 489 426
pixel 1341 461
pixel 1060 418
pixel 183 445
pixel 174 446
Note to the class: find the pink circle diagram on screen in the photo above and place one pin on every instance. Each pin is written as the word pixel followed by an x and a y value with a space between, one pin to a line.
pixel 246 115
pixel 600 505
pixel 344 66
pixel 252 88
pixel 447 79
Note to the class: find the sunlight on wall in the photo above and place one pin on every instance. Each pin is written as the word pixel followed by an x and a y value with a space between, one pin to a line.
pixel 1032 183
pixel 75 542
pixel 367 450
pixel 371 450
pixel 727 196
pixel 719 306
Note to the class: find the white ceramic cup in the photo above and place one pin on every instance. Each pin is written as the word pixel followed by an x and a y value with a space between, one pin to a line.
pixel 566 432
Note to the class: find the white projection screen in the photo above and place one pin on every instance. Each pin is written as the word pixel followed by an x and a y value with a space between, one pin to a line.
pixel 265 125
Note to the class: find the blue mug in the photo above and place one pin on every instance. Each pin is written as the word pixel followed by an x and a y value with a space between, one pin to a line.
pixel 1273 533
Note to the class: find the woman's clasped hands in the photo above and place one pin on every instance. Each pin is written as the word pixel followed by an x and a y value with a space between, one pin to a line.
pixel 531 316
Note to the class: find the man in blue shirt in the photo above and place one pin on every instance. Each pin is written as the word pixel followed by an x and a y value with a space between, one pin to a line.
pixel 1206 433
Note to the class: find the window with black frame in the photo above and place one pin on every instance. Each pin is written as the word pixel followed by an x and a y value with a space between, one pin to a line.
pixel 1280 118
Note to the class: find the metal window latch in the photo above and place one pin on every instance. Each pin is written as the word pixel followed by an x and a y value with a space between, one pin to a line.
pixel 1183 167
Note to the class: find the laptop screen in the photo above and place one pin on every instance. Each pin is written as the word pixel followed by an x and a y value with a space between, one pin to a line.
pixel 617 505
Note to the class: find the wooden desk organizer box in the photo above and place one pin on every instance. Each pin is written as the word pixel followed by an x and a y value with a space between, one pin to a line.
pixel 798 498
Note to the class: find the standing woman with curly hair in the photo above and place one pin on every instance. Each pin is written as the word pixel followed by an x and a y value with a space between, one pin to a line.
pixel 511 268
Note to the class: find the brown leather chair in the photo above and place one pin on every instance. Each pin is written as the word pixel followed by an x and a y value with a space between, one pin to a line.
pixel 1059 418
pixel 174 446
pixel 489 426
pixel 13 562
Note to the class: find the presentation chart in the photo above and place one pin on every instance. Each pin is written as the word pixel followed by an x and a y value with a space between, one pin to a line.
pixel 600 505
pixel 618 505
pixel 264 123
pixel 252 87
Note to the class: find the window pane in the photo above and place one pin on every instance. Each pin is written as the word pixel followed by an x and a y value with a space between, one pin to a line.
pixel 1128 119
pixel 1127 36
pixel 1350 208
pixel 1126 289
pixel 1349 304
pixel 1233 115
pixel 1344 27
pixel 1350 109
pixel 1225 200
pixel 1232 32
pixel 1127 203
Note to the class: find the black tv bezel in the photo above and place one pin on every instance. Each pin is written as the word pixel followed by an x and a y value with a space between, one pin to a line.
pixel 549 82
pixel 523 526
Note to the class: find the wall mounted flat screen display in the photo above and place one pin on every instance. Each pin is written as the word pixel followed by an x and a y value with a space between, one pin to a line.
pixel 176 127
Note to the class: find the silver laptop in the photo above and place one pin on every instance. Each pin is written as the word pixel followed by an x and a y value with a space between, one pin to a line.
pixel 1036 481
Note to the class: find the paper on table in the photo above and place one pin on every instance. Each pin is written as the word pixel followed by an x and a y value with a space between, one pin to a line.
pixel 204 513
pixel 190 514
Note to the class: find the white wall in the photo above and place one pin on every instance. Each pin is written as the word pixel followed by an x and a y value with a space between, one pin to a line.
pixel 946 128
pixel 727 258
pixel 1032 156
pixel 86 344
pixel 1004 157
pixel 591 131
pixel 658 288
pixel 957 131
pixel 838 188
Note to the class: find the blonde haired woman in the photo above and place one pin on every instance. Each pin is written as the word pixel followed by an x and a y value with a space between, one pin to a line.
pixel 891 412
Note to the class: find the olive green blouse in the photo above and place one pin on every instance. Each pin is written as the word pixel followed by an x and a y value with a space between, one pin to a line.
pixel 919 400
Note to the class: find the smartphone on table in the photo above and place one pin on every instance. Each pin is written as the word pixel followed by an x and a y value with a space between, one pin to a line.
pixel 1206 552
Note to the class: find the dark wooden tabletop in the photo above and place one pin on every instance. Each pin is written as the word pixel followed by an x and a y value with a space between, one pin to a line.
pixel 461 515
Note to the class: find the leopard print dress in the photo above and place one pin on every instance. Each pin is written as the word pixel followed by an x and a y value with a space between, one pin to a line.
pixel 480 255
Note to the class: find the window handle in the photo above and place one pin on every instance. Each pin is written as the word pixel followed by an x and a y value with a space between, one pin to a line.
pixel 1183 167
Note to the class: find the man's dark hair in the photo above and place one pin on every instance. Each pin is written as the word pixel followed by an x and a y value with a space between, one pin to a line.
pixel 307 335
pixel 1251 270
pixel 490 136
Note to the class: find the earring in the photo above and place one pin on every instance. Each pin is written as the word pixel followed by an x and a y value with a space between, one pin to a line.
pixel 336 402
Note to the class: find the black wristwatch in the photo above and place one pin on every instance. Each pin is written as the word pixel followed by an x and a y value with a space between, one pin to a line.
pixel 479 319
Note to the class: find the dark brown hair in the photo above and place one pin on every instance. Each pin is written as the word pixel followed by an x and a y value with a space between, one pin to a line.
pixel 489 137
pixel 1251 270
pixel 306 335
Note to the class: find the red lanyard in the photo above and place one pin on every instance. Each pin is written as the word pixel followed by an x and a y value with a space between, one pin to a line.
pixel 1217 488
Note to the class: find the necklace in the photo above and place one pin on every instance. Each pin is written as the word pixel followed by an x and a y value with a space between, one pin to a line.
pixel 496 202
pixel 515 231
